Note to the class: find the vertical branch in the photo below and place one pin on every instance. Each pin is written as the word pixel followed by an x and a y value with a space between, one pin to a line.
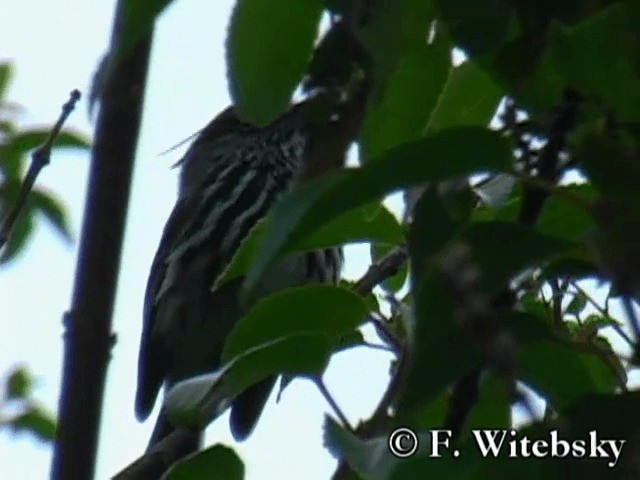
pixel 88 337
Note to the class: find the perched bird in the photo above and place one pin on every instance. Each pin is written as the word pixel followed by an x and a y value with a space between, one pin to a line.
pixel 230 178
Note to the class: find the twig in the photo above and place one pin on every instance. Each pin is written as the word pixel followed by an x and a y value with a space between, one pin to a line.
pixel 334 405
pixel 632 318
pixel 39 159
pixel 384 268
pixel 154 463
pixel 603 311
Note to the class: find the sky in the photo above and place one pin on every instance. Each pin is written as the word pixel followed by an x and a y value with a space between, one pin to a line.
pixel 55 47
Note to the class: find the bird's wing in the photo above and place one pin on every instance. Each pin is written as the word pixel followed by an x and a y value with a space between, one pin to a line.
pixel 152 357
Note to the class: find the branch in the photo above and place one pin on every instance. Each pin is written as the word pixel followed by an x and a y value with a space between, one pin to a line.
pixel 88 337
pixel 379 271
pixel 39 159
pixel 154 463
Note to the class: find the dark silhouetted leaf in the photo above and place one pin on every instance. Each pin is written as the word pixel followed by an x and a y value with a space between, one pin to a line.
pixel 214 463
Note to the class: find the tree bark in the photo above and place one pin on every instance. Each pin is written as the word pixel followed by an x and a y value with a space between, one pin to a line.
pixel 88 336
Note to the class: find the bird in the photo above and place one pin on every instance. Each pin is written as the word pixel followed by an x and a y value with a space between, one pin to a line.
pixel 230 178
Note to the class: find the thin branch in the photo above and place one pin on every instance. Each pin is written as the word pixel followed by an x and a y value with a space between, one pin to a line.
pixel 632 318
pixel 334 405
pixel 39 159
pixel 379 271
pixel 603 311
pixel 159 459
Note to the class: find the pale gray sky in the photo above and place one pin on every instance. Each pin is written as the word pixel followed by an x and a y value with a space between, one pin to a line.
pixel 55 47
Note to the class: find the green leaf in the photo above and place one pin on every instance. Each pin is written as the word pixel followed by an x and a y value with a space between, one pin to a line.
pixel 607 69
pixel 214 463
pixel 432 228
pixel 577 304
pixel 493 408
pixel 608 163
pixel 37 421
pixel 27 139
pixel 196 402
pixel 470 97
pixel 477 26
pixel 268 49
pixel 369 223
pixel 19 384
pixel 397 281
pixel 138 20
pixel 611 417
pixel 369 458
pixel 20 233
pixel 317 309
pixel 350 340
pixel 53 211
pixel 504 249
pixel 562 373
pixel 407 100
pixel 437 335
pixel 446 154
pixel 565 219
pixel 6 72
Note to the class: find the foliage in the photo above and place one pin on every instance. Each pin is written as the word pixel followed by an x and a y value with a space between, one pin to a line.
pixel 19 412
pixel 15 144
pixel 496 297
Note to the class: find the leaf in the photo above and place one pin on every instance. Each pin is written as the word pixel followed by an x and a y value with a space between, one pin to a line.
pixel 437 337
pixel 461 19
pixel 214 463
pixel 19 384
pixel 404 27
pixel 608 163
pixel 504 249
pixel 567 220
pixel 493 408
pixel 27 139
pixel 6 72
pixel 577 304
pixel 317 309
pixel 20 233
pixel 369 458
pixel 37 421
pixel 607 69
pixel 470 97
pixel 608 416
pixel 449 153
pixel 138 20
pixel 408 98
pixel 397 281
pixel 561 373
pixel 369 223
pixel 51 208
pixel 196 402
pixel 268 49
